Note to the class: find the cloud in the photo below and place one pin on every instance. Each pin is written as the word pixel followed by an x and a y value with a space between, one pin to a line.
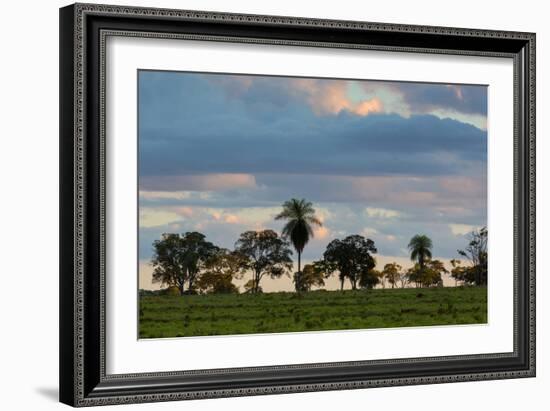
pixel 231 219
pixel 323 96
pixel 382 213
pixel 369 231
pixel 163 195
pixel 462 229
pixel 331 97
pixel 185 211
pixel 426 97
pixel 185 183
pixel 149 217
pixel 321 233
pixel 229 156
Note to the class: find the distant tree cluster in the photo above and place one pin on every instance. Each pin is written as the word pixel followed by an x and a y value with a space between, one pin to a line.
pixel 475 253
pixel 191 264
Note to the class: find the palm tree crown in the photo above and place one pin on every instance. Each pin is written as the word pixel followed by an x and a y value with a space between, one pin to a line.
pixel 420 247
pixel 300 216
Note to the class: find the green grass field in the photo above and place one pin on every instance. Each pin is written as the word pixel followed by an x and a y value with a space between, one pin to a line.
pixel 195 315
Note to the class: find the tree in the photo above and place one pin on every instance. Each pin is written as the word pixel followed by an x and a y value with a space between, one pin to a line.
pixel 351 257
pixel 420 247
pixel 220 270
pixel 169 267
pixel 428 276
pixel 250 288
pixel 392 273
pixel 178 259
pixel 300 216
pixel 413 275
pixel 476 253
pixel 265 253
pixel 458 272
pixel 433 275
pixel 403 279
pixel 369 278
pixel 312 276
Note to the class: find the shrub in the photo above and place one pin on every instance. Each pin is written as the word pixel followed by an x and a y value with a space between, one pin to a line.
pixel 173 290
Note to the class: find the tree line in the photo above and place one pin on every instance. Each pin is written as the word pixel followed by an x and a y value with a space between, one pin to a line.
pixel 191 264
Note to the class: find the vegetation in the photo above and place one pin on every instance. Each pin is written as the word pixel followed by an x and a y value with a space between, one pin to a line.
pixel 392 273
pixel 225 314
pixel 178 259
pixel 300 216
pixel 313 275
pixel 420 247
pixel 352 258
pixel 188 264
pixel 264 253
pixel 476 253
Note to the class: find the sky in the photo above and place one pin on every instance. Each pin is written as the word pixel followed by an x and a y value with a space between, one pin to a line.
pixel 220 153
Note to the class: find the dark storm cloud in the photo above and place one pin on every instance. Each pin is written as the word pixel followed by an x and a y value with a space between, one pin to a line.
pixel 189 125
pixel 426 97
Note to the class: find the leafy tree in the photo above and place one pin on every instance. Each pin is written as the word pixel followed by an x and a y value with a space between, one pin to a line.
pixel 312 276
pixel 220 270
pixel 413 275
pixel 265 253
pixel 429 275
pixel 434 272
pixel 370 278
pixel 169 266
pixel 476 253
pixel 351 256
pixel 420 247
pixel 250 288
pixel 392 273
pixel 458 272
pixel 300 216
pixel 178 259
pixel 403 279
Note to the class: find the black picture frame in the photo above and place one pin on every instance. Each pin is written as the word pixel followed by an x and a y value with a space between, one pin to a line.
pixel 83 29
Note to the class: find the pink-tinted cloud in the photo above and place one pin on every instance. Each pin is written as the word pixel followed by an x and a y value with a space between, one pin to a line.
pixel 202 182
pixel 466 186
pixel 321 233
pixel 331 97
pixel 231 219
pixel 184 211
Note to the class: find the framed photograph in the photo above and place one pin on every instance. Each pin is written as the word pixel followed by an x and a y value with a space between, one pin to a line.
pixel 261 204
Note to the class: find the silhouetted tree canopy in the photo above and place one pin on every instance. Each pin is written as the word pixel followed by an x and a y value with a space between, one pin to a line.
pixel 265 254
pixel 476 253
pixel 420 248
pixel 300 216
pixel 370 278
pixel 351 257
pixel 178 259
pixel 220 270
pixel 311 276
pixel 429 275
pixel 458 272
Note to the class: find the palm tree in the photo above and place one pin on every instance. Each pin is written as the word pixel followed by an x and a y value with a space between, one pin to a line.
pixel 420 247
pixel 300 216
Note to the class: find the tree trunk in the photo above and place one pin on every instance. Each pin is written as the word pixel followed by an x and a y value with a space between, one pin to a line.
pixel 299 262
pixel 342 284
pixel 256 283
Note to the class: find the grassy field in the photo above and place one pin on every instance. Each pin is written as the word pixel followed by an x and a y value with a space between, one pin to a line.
pixel 194 315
